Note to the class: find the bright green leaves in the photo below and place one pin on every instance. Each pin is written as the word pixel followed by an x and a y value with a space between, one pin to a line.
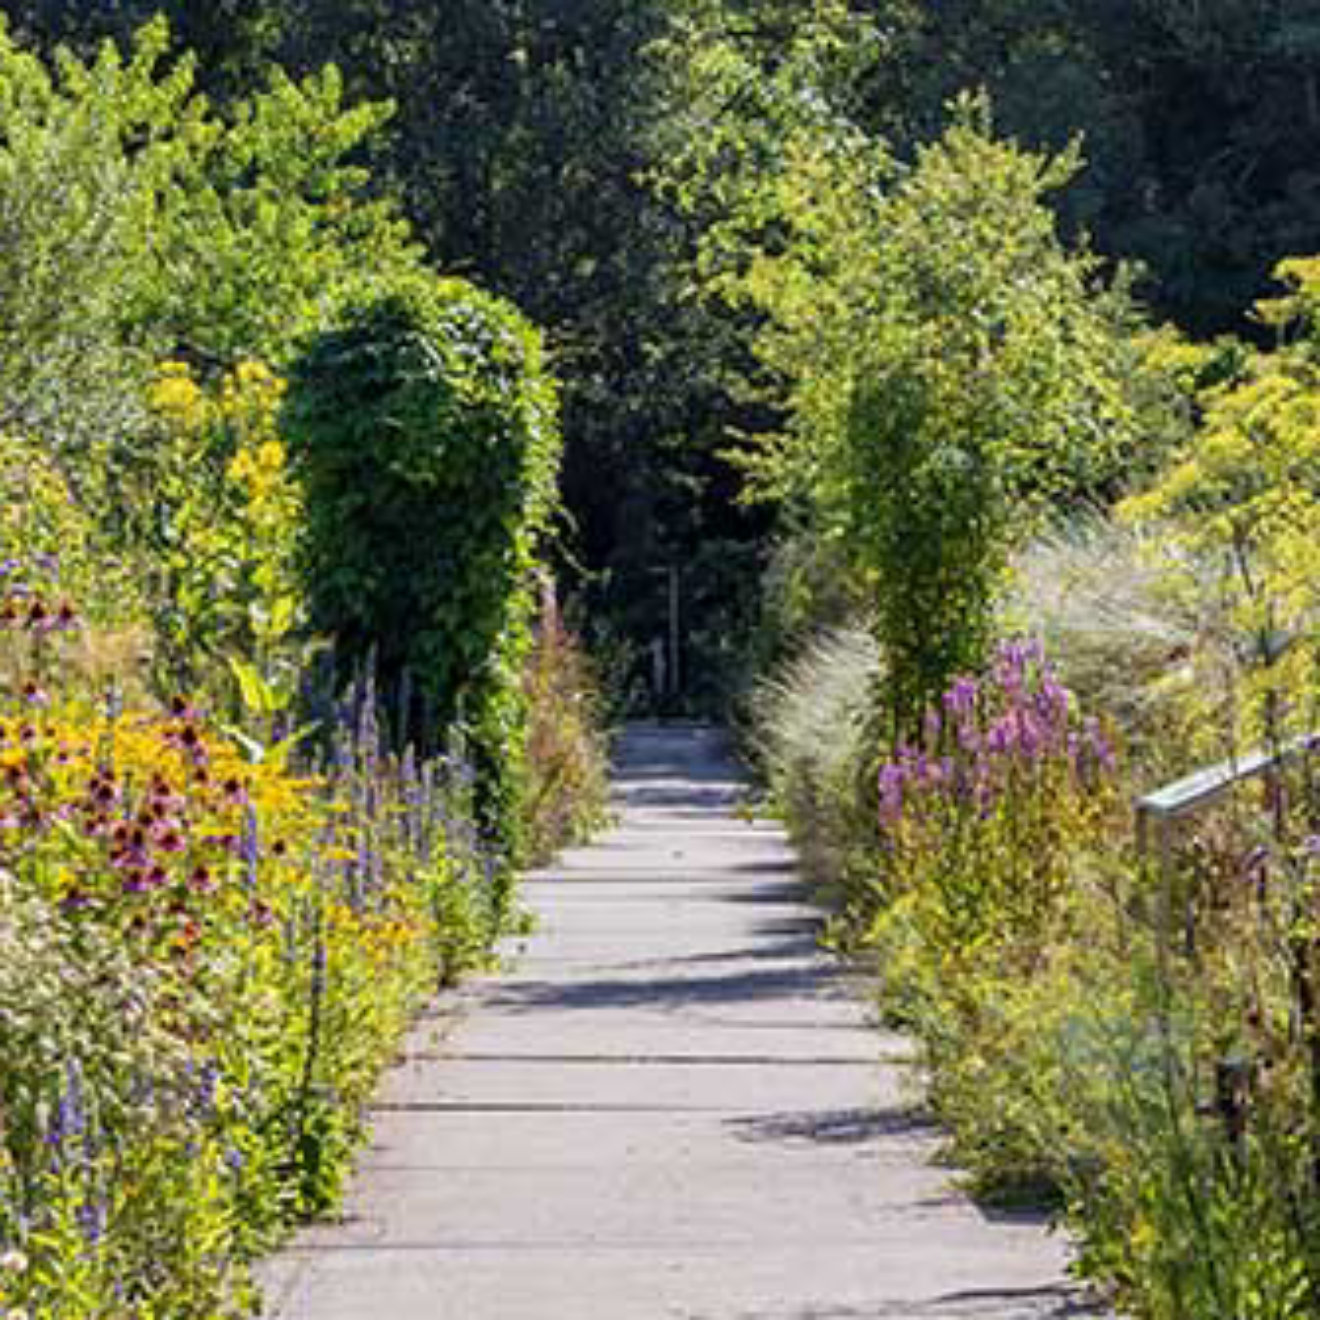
pixel 140 226
pixel 73 229
pixel 271 226
pixel 137 223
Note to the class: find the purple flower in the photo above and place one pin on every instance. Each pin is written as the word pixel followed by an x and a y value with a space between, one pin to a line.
pixel 130 848
pixel 932 724
pixel 207 1079
pixel 168 838
pixel 1098 745
pixel 1010 667
pixel 892 778
pixel 35 696
pixel 91 1219
pixel 250 848
pixel 1051 701
pixel 999 740
pixel 70 1118
pixel 1028 735
pixel 960 699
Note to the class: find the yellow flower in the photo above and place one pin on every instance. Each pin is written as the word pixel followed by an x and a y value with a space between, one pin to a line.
pixel 270 456
pixel 177 398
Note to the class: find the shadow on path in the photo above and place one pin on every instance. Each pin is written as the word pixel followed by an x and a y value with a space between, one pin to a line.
pixel 1058 1303
pixel 666 992
pixel 833 1127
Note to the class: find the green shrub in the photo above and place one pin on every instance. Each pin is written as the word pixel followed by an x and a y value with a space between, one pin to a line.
pixel 137 221
pixel 424 432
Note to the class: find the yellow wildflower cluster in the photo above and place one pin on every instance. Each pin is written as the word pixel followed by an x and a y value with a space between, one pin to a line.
pixel 1245 496
pixel 236 513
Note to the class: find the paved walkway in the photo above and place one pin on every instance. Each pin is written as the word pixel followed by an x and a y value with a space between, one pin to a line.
pixel 675 1107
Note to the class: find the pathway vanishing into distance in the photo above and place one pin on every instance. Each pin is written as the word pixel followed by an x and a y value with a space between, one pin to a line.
pixel 673 1107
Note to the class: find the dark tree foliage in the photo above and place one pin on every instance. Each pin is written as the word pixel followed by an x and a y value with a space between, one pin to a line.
pixel 521 128
pixel 232 39
pixel 524 130
pixel 1200 122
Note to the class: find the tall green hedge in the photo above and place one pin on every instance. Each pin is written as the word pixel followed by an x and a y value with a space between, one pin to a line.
pixel 424 429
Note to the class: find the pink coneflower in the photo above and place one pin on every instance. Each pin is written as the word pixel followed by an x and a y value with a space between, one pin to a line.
pixel 168 838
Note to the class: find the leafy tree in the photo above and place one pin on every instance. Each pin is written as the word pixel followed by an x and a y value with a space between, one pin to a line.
pixel 268 224
pixel 139 226
pixel 136 223
pixel 74 210
pixel 952 368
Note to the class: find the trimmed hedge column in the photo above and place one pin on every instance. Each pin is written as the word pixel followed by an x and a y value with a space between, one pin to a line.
pixel 424 428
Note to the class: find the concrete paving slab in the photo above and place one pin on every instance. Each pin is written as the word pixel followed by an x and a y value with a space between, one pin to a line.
pixel 673 1106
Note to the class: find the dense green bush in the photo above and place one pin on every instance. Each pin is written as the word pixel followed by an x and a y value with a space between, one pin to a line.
pixel 137 222
pixel 424 432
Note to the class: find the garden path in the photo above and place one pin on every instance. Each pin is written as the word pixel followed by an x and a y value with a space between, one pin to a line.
pixel 675 1106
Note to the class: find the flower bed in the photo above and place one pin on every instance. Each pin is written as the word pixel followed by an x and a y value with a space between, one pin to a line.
pixel 204 965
